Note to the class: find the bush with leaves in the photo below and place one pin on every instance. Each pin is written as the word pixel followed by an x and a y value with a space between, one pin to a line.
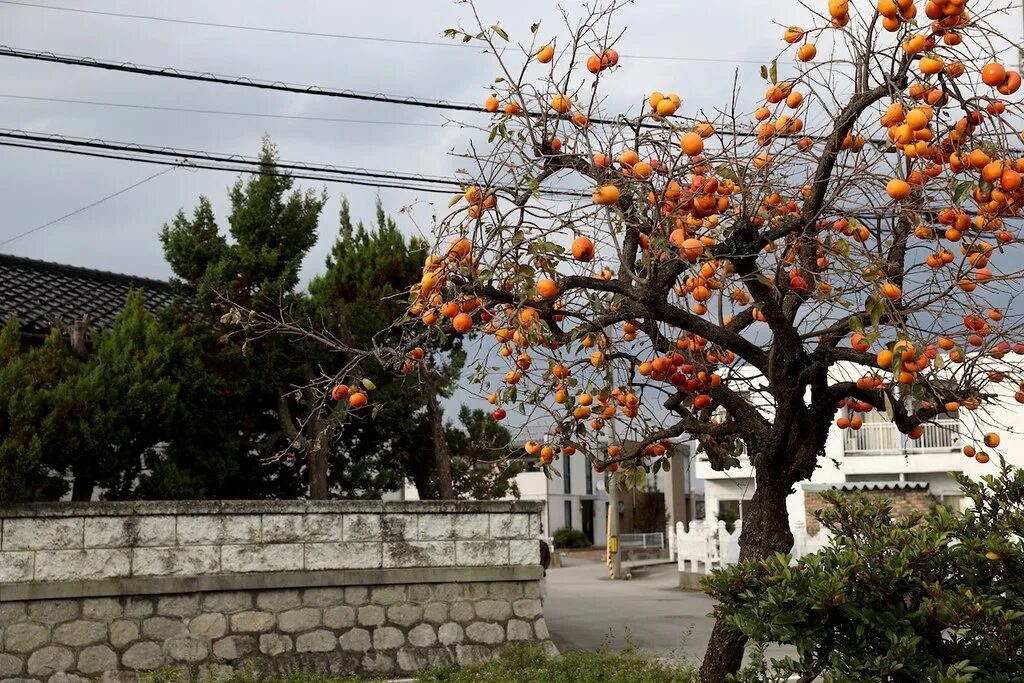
pixel 934 597
pixel 567 537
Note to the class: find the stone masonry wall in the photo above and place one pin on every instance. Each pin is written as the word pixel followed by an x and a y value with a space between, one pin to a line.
pixel 90 591
pixel 904 502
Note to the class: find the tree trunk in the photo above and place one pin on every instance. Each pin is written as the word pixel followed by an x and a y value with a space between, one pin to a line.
pixel 435 417
pixel 765 532
pixel 82 488
pixel 317 448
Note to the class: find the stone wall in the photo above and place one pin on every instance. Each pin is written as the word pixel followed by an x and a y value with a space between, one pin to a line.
pixel 904 501
pixel 111 590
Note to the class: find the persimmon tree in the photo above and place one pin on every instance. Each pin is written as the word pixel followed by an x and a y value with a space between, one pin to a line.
pixel 751 275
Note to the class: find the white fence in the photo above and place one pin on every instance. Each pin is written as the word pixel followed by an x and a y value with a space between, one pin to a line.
pixel 707 545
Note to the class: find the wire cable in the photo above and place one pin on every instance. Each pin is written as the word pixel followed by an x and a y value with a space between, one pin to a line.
pixel 320 34
pixel 82 209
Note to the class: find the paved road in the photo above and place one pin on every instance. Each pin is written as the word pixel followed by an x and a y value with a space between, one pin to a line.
pixel 584 610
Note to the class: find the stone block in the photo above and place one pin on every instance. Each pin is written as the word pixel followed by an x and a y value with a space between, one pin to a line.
pixel 227 602
pixel 531 589
pixel 422 636
pixel 505 590
pixel 123 632
pixel 378 662
pixel 64 677
pixel 541 629
pixel 79 565
pixel 120 677
pixel 16 567
pixel 419 554
pixel 482 632
pixel 176 561
pixel 477 590
pixel 10 665
pixel 361 527
pixel 320 556
pixel 138 607
pixel 143 656
pixel 357 595
pixel 387 595
pixel 509 525
pixel 440 656
pixel 325 528
pixel 178 605
pixel 340 617
pixel 534 526
pixel 211 625
pixel 78 633
pixel 283 528
pixel 277 601
pixel 371 615
pixel 121 532
pixel 188 649
pixel 53 611
pixel 420 593
pixel 528 608
pixel 447 592
pixel 493 610
pixel 102 608
pixel 234 647
pixel 49 660
pixel 12 612
pixel 356 640
pixel 25 637
pixel 524 552
pixel 252 622
pixel 272 557
pixel 96 660
pixel 212 673
pixel 470 526
pixel 299 620
pixel 404 614
pixel 162 628
pixel 410 660
pixel 481 553
pixel 450 634
pixel 519 630
pixel 323 597
pixel 316 641
pixel 218 529
pixel 471 654
pixel 388 638
pixel 448 527
pixel 275 644
pixel 462 612
pixel 44 533
pixel 435 612
pixel 399 527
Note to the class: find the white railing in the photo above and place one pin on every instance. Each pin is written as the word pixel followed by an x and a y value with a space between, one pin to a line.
pixel 642 541
pixel 882 438
pixel 704 546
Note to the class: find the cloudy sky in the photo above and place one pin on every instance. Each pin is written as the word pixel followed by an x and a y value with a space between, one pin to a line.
pixel 120 234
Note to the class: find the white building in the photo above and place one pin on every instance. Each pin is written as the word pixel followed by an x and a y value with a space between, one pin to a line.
pixel 879 456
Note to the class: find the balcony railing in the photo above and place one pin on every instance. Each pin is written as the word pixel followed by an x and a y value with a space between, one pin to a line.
pixel 882 438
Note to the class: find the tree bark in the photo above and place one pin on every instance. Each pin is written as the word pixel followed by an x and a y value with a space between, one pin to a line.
pixel 765 532
pixel 316 461
pixel 435 417
pixel 82 488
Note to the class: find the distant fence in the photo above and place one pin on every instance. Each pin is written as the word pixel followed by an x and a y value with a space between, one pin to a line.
pixel 642 541
pixel 706 545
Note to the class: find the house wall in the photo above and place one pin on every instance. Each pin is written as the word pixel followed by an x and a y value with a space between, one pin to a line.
pixel 108 590
pixel 904 502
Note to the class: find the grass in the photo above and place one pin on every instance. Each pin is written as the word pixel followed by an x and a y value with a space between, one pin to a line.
pixel 521 664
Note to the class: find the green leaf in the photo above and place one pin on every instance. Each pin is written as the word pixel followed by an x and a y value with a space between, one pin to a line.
pixel 494 134
pixel 534 27
pixel 764 72
pixel 774 71
pixel 666 465
pixel 842 247
pixel 500 31
pixel 889 411
pixel 961 191
pixel 856 325
pixel 466 38
pixel 370 386
pixel 454 200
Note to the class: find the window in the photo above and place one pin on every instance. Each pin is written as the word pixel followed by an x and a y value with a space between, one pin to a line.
pixel 568 514
pixel 590 479
pixel 567 476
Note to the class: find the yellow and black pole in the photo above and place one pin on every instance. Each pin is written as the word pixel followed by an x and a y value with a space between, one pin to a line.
pixel 612 557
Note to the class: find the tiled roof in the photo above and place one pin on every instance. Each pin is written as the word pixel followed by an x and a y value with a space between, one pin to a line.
pixel 892 485
pixel 40 293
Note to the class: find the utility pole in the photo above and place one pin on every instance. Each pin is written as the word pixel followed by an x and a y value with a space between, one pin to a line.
pixel 612 556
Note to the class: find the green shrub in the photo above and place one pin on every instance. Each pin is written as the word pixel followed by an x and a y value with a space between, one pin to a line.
pixel 571 538
pixel 530 664
pixel 936 597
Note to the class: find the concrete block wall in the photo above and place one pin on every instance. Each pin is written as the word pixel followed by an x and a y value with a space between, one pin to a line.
pixel 904 502
pixel 111 589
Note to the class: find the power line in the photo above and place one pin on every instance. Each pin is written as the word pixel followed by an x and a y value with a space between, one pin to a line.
pixel 342 36
pixel 120 192
pixel 296 117
pixel 240 163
